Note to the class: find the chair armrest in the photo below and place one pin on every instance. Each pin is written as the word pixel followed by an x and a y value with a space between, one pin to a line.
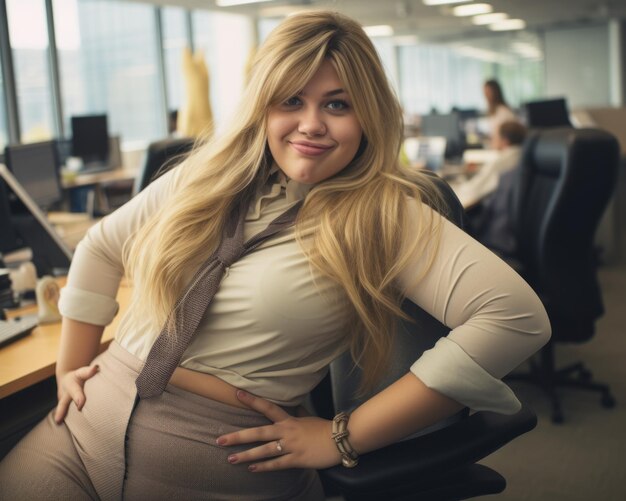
pixel 421 458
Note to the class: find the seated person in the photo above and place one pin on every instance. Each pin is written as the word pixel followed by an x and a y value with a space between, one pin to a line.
pixel 508 144
pixel 490 222
pixel 197 397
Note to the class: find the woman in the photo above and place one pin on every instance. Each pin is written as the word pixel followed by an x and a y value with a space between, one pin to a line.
pixel 498 110
pixel 319 125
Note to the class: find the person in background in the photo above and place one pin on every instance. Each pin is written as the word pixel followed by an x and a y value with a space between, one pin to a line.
pixel 497 109
pixel 508 145
pixel 490 222
pixel 197 398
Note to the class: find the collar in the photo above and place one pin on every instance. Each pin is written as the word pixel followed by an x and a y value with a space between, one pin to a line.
pixel 278 185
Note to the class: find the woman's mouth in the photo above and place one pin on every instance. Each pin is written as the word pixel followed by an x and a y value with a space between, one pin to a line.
pixel 310 149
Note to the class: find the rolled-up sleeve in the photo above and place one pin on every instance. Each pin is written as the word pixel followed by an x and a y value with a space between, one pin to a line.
pixel 496 319
pixel 97 265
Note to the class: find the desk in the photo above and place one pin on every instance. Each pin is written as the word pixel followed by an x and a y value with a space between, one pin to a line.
pixel 459 176
pixel 469 194
pixel 121 178
pixel 97 178
pixel 71 226
pixel 32 359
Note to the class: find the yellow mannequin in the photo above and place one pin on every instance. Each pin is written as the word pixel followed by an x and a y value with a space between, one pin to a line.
pixel 195 117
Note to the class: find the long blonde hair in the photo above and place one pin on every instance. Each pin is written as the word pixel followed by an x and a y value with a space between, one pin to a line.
pixel 354 222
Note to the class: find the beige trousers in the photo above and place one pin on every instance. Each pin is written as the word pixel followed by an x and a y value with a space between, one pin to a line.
pixel 161 449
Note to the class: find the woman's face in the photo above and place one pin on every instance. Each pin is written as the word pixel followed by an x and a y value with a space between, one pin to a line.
pixel 488 91
pixel 315 134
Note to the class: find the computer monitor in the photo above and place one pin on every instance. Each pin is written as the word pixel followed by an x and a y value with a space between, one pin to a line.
pixel 31 228
pixel 448 126
pixel 35 166
pixel 428 152
pixel 90 138
pixel 9 239
pixel 547 113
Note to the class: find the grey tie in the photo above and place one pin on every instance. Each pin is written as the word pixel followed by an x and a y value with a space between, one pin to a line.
pixel 168 349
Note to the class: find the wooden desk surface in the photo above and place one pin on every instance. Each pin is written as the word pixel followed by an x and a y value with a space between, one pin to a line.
pixel 33 358
pixel 108 176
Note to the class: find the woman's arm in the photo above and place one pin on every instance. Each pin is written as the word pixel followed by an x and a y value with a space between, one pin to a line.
pixel 80 343
pixel 401 409
pixel 497 321
pixel 88 301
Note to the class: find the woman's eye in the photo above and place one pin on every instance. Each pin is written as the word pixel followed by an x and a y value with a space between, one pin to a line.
pixel 337 105
pixel 292 101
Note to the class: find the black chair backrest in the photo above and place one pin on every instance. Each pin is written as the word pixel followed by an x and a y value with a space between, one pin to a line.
pixel 547 113
pixel 566 179
pixel 411 338
pixel 160 156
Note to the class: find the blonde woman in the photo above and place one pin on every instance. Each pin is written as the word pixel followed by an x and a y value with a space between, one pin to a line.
pixel 318 127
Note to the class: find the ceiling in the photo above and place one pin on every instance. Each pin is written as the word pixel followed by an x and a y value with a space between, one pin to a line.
pixel 436 22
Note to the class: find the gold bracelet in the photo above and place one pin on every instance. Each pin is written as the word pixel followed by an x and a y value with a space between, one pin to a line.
pixel 349 457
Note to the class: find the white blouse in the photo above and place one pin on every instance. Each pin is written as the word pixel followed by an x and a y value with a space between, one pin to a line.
pixel 275 324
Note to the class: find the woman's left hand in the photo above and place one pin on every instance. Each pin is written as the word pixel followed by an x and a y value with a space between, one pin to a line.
pixel 291 442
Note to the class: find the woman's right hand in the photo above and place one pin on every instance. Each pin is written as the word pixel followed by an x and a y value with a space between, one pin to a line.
pixel 70 389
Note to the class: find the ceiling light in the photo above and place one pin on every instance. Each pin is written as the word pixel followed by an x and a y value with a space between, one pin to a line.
pixel 508 24
pixel 483 54
pixel 282 10
pixel 230 3
pixel 381 30
pixel 490 18
pixel 472 9
pixel 443 2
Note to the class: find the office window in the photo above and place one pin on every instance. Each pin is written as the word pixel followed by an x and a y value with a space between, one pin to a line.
pixel 28 33
pixel 387 53
pixel 523 80
pixel 439 77
pixel 227 41
pixel 108 64
pixel 175 39
pixel 436 77
pixel 517 62
pixel 4 133
pixel 265 25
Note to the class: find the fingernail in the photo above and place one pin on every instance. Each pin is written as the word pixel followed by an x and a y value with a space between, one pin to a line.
pixel 232 459
pixel 252 467
pixel 221 441
pixel 97 367
pixel 241 394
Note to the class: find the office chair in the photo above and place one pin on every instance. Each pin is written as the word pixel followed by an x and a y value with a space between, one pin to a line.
pixel 160 156
pixel 566 179
pixel 547 113
pixel 439 464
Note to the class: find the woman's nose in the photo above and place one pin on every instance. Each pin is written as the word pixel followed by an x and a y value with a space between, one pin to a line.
pixel 311 123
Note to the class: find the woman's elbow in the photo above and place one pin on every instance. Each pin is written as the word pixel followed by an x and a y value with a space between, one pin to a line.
pixel 543 328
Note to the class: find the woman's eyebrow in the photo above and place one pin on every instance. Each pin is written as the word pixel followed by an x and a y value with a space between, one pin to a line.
pixel 334 92
pixel 330 93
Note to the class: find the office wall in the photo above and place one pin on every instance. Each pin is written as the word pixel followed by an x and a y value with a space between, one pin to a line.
pixel 617 61
pixel 577 65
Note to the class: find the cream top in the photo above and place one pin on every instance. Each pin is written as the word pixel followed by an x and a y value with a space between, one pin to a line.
pixel 502 114
pixel 275 325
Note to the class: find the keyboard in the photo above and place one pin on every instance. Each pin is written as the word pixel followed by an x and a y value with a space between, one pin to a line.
pixel 13 329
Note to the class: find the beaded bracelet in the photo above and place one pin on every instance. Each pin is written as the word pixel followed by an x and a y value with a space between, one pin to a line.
pixel 340 434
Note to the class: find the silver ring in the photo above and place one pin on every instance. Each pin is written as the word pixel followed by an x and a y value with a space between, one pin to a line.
pixel 279 447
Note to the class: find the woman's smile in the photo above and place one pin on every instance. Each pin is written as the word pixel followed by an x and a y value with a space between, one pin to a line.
pixel 310 149
pixel 314 134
